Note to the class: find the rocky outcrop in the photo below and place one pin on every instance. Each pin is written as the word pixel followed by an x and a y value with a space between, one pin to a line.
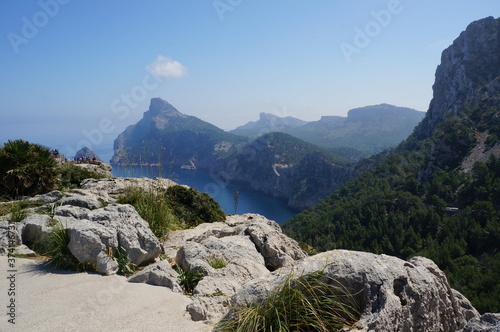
pixel 86 154
pixel 112 227
pixel 96 229
pixel 109 189
pixel 229 254
pixel 393 295
pixel 100 168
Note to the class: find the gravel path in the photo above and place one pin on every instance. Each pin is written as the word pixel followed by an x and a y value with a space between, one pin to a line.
pixel 52 300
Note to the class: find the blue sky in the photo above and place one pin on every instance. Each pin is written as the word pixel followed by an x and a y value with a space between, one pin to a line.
pixel 76 72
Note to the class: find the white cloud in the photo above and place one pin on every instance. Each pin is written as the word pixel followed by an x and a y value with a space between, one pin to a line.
pixel 167 68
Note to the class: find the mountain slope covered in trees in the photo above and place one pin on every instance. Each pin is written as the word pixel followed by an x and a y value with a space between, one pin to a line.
pixel 438 193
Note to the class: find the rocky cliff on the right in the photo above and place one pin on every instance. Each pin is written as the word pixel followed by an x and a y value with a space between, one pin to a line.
pixel 437 194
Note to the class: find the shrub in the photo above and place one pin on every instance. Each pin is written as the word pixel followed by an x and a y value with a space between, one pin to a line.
pixel 154 208
pixel 194 208
pixel 308 303
pixel 26 169
pixel 175 208
pixel 72 176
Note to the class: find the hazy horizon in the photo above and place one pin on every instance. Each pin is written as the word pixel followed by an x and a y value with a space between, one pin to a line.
pixel 77 71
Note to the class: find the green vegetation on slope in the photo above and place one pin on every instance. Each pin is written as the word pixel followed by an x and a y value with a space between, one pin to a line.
pixel 415 202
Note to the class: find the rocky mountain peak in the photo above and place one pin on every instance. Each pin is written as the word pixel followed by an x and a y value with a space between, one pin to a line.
pixel 469 72
pixel 160 106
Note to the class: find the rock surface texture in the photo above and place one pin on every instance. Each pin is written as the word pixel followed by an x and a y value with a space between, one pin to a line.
pixel 469 72
pixel 245 247
pixel 393 295
pixel 95 228
pixel 92 232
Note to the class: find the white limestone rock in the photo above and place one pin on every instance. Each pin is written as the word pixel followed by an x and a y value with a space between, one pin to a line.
pixel 394 295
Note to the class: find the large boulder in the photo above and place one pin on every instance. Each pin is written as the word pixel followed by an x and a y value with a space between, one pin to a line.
pixel 241 263
pixel 393 294
pixel 115 226
pixel 86 154
pixel 35 228
pixel 277 249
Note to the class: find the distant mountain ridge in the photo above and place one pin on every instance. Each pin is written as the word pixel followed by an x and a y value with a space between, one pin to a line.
pixel 367 130
pixel 268 123
pixel 277 164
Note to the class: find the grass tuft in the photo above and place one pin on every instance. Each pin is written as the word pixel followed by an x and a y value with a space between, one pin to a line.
pixel 217 262
pixel 308 303
pixel 55 247
pixel 188 279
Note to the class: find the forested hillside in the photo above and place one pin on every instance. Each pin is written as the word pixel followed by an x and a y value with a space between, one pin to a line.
pixel 438 193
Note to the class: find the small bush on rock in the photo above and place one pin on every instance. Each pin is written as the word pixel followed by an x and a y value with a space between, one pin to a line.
pixel 125 266
pixel 177 207
pixel 18 211
pixel 193 207
pixel 72 176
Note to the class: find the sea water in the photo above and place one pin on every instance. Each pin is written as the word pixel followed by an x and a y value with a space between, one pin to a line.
pixel 249 200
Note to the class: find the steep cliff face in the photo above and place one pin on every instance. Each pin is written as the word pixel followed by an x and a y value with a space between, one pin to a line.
pixel 463 121
pixel 469 74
